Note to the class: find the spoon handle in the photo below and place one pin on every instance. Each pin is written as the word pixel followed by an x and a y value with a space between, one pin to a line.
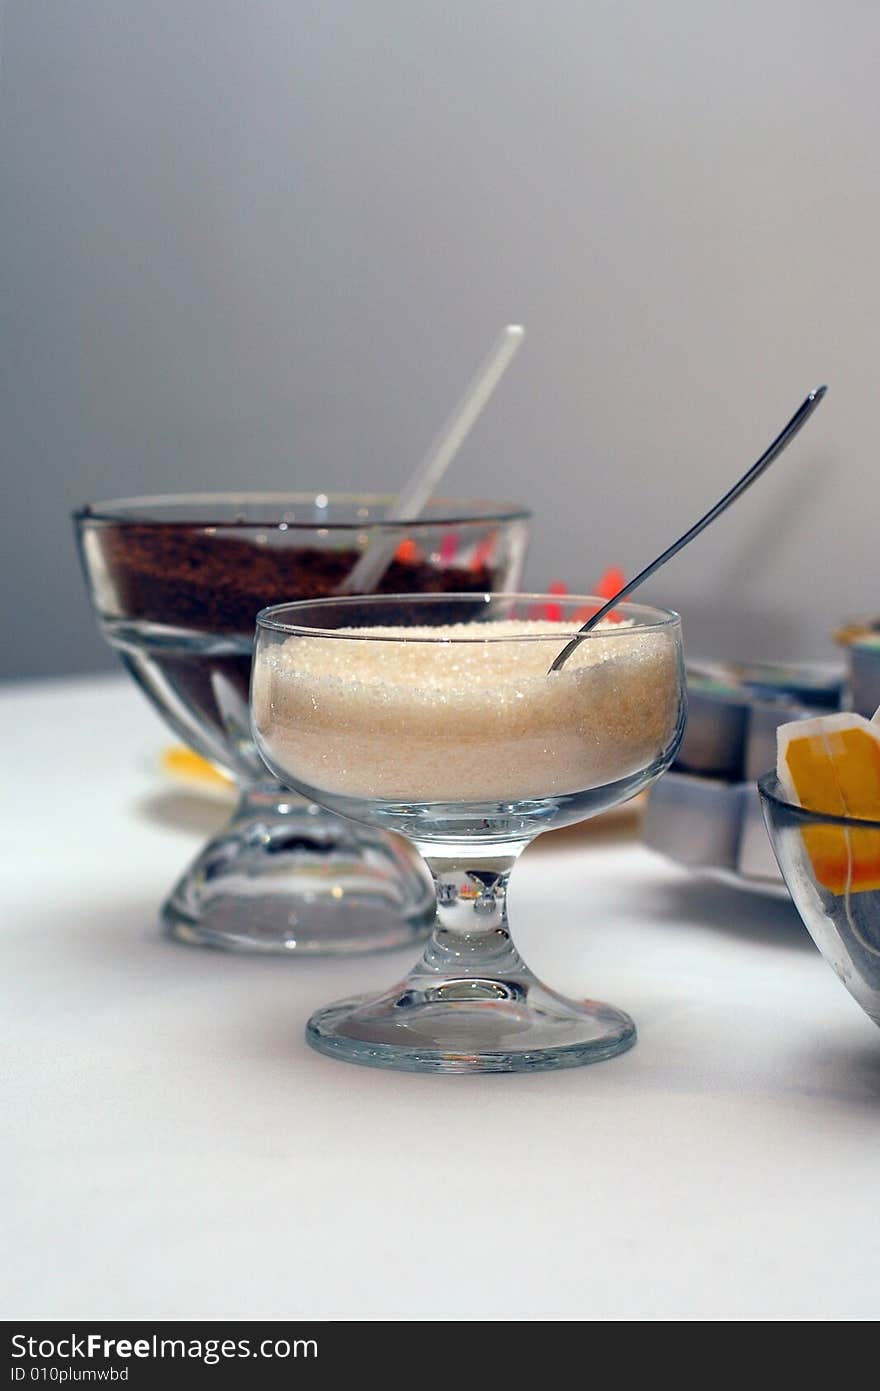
pixel 800 417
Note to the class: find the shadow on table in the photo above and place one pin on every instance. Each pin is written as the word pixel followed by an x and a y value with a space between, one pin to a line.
pixel 849 1072
pixel 183 811
pixel 701 903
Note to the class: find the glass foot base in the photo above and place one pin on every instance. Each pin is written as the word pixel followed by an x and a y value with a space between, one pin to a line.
pixel 470 1025
pixel 285 877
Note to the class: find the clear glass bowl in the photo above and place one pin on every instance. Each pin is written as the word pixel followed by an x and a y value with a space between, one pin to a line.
pixel 176 583
pixel 831 865
pixel 458 738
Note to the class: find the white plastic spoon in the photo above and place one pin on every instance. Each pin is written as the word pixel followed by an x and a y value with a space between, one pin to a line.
pixel 371 566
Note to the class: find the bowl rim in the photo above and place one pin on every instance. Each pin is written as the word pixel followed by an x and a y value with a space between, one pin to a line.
pixel 767 787
pixel 447 511
pixel 267 618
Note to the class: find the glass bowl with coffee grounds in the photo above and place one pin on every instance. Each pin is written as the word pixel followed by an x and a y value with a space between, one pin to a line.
pixel 176 583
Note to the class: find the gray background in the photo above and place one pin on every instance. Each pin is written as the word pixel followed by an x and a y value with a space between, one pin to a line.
pixel 256 243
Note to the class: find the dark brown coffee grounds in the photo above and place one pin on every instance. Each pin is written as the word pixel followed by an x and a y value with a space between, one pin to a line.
pixel 216 583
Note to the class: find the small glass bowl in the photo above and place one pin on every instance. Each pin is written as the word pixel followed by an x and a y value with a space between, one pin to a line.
pixel 831 865
pixel 176 583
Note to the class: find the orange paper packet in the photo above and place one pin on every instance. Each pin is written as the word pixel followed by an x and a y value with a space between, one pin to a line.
pixel 831 765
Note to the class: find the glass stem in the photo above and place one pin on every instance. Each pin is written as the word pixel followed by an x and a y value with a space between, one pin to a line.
pixel 470 937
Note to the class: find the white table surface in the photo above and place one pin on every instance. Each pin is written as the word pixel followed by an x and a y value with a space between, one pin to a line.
pixel 174 1150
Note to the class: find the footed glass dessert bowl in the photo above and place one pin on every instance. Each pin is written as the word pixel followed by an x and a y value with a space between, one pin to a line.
pixel 176 583
pixel 831 867
pixel 454 734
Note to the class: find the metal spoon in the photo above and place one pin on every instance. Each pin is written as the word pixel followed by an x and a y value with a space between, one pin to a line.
pixel 800 417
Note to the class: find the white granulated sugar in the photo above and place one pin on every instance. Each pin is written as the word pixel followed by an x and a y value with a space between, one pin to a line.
pixel 467 721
